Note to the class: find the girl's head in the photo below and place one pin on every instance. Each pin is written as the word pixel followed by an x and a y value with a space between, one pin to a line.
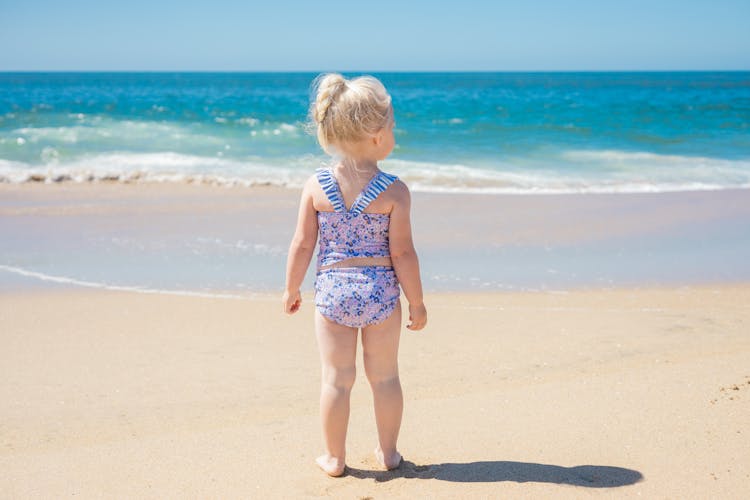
pixel 346 112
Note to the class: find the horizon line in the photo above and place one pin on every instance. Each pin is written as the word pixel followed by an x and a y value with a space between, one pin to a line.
pixel 375 71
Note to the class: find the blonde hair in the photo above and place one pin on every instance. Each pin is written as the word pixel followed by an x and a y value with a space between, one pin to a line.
pixel 346 111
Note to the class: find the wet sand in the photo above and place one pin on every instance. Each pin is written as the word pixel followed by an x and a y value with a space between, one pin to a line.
pixel 197 237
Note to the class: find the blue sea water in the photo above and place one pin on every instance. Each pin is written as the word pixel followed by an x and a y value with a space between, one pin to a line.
pixel 470 132
pixel 519 133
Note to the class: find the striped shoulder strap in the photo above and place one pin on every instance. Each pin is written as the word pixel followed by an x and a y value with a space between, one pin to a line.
pixel 377 185
pixel 331 189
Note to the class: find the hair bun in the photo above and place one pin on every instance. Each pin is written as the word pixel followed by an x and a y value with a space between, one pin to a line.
pixel 328 89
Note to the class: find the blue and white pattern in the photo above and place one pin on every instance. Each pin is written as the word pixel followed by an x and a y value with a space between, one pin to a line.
pixel 345 234
pixel 331 189
pixel 372 190
pixel 357 296
pixel 361 295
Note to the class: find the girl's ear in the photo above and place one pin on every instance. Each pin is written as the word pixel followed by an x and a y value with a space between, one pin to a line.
pixel 378 137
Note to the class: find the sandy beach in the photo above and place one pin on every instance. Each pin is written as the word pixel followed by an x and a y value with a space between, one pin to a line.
pixel 619 393
pixel 616 390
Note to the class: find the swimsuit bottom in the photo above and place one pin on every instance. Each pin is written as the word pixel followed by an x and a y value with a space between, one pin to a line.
pixel 357 296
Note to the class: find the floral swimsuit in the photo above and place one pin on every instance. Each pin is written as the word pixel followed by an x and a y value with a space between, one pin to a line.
pixel 354 296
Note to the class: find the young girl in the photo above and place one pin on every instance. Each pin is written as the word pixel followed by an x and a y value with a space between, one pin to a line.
pixel 366 250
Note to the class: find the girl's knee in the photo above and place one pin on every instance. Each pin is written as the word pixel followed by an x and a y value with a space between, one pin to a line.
pixel 383 379
pixel 380 367
pixel 340 378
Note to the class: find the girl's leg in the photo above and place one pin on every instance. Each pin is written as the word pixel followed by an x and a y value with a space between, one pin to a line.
pixel 338 349
pixel 380 346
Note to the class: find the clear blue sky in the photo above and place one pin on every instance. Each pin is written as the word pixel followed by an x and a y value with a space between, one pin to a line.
pixel 403 35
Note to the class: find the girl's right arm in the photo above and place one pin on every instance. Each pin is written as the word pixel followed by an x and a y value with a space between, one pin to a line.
pixel 300 250
pixel 404 257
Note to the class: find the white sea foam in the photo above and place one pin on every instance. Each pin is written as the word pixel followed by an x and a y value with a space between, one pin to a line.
pixel 603 172
pixel 96 132
pixel 579 171
pixel 248 120
pixel 154 167
pixel 288 127
pixel 96 129
pixel 451 121
pixel 666 164
pixel 122 288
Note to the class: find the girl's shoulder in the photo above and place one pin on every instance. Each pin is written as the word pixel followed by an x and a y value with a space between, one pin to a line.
pixel 312 182
pixel 398 188
pixel 311 189
pixel 395 196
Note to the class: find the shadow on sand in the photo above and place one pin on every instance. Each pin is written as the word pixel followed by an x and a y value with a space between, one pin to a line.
pixel 591 476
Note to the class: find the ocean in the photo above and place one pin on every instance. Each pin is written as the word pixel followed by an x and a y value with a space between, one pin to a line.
pixel 521 181
pixel 458 132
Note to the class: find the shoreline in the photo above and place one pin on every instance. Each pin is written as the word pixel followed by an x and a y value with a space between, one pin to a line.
pixel 142 191
pixel 208 181
pixel 62 286
pixel 211 239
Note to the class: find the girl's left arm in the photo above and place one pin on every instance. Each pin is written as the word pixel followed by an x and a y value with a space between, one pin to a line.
pixel 300 250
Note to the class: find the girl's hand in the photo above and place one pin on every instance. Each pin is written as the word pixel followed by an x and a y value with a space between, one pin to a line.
pixel 417 317
pixel 292 301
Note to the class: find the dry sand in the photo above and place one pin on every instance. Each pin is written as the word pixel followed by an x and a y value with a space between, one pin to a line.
pixel 612 393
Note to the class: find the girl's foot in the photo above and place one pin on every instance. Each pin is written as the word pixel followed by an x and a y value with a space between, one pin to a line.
pixel 332 466
pixel 390 462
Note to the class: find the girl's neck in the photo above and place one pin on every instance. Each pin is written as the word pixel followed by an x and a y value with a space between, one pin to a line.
pixel 357 166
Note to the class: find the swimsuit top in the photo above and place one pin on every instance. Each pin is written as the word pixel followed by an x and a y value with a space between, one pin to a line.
pixel 351 233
